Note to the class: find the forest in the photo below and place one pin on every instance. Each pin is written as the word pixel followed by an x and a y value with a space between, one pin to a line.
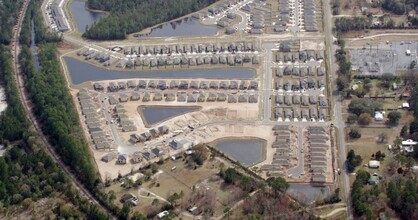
pixel 131 16
pixel 9 10
pixel 13 122
pixel 399 7
pixel 27 173
pixel 54 107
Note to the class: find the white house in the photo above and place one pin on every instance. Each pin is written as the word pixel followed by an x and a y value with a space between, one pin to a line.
pixel 405 105
pixel 408 145
pixel 374 164
pixel 378 116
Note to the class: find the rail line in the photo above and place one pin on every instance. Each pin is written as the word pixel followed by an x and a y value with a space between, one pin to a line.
pixel 15 46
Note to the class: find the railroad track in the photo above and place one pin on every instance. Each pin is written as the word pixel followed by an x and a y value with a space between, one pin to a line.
pixel 15 46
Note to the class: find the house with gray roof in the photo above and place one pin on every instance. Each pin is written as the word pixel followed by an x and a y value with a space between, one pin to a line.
pixel 157 152
pixel 135 138
pixel 253 99
pixel 109 157
pixel 163 129
pixel 123 98
pixel 158 96
pixel 142 84
pixel 243 98
pixel 136 157
pixel 170 97
pixel 191 98
pixel 122 158
pixel 148 155
pixel 146 97
pixel 181 97
pixel 194 85
pixel 232 98
pixel 221 97
pixel 201 97
pixel 135 96
pixel 211 97
pixel 184 84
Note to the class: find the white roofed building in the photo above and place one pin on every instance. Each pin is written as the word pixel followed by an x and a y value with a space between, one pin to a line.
pixel 408 145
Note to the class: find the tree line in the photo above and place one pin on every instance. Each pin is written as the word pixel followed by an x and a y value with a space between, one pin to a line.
pixel 133 15
pixel 344 24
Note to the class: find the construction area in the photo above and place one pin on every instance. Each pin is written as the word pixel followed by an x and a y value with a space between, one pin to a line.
pixel 301 154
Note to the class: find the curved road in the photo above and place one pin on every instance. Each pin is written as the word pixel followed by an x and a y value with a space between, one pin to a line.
pixel 26 103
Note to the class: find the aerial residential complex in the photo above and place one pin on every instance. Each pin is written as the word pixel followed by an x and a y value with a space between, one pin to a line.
pixel 219 109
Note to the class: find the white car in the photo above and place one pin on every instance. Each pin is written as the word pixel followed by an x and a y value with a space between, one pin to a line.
pixel 134 201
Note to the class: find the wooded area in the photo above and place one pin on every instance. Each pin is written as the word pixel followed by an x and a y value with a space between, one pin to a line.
pixel 13 122
pixel 54 107
pixel 399 7
pixel 27 173
pixel 135 15
pixel 9 10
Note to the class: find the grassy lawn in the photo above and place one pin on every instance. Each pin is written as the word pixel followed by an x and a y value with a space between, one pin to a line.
pixel 368 145
pixel 180 179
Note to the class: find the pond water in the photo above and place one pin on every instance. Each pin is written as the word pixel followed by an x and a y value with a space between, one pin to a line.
pixel 246 151
pixel 182 28
pixel 82 16
pixel 157 114
pixel 83 72
pixel 308 194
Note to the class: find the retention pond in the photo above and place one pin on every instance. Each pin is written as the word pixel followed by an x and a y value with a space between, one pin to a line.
pixel 83 72
pixel 82 16
pixel 182 28
pixel 247 151
pixel 308 194
pixel 155 114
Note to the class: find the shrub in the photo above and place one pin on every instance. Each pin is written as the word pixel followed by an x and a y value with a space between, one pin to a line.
pixel 364 119
pixel 354 133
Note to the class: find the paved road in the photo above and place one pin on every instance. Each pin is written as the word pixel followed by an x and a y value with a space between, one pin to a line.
pixel 339 122
pixel 267 81
pixel 26 103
